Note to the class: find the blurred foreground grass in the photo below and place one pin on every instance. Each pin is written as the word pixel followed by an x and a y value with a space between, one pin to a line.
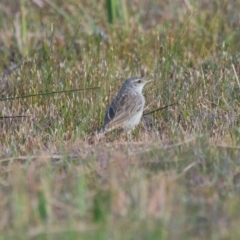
pixel 178 179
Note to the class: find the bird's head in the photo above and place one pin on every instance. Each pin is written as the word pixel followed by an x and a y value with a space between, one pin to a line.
pixel 136 83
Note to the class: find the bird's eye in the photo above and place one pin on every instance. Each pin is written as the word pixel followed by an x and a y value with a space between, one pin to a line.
pixel 139 81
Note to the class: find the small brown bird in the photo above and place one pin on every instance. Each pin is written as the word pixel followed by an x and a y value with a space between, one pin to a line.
pixel 127 107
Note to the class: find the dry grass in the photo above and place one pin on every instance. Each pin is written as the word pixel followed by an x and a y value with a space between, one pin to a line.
pixel 178 179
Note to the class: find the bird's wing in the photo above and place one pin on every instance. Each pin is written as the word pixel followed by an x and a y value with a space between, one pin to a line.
pixel 122 107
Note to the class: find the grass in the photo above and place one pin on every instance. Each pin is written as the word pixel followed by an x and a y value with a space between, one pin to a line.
pixel 178 179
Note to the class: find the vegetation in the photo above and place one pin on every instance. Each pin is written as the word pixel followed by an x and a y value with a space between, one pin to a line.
pixel 61 64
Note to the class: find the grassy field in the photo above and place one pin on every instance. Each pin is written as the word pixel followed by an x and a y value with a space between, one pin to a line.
pixel 61 63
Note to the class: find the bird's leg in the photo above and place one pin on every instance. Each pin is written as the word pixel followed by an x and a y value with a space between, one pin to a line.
pixel 129 136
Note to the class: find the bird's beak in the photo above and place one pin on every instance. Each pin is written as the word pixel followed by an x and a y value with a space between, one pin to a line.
pixel 149 80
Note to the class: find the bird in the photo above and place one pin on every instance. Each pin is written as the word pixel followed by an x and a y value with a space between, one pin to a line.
pixel 127 107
